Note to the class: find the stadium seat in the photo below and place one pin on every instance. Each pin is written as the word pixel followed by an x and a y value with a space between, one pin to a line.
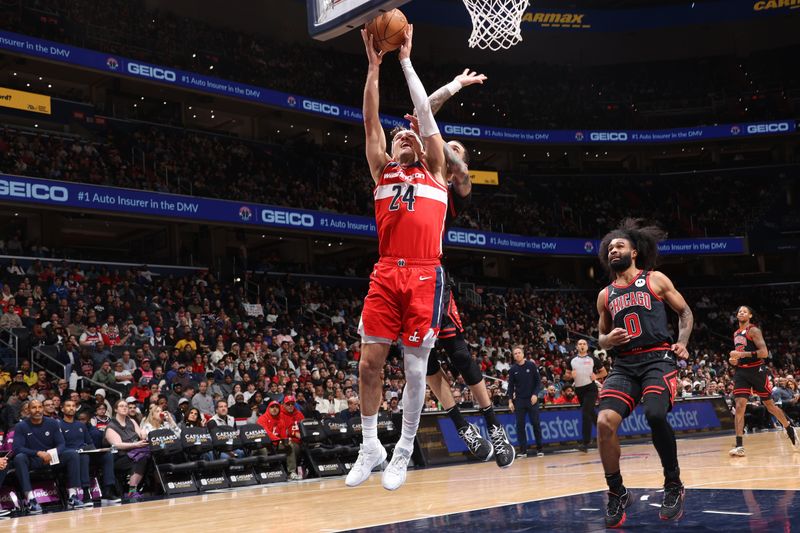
pixel 174 472
pixel 227 440
pixel 197 444
pixel 270 466
pixel 323 456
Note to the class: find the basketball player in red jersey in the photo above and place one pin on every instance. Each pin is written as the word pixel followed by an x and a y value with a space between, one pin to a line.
pixel 633 321
pixel 748 356
pixel 407 284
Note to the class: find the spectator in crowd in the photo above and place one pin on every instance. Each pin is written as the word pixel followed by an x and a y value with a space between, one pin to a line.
pixel 221 416
pixel 34 439
pixel 28 375
pixel 123 377
pixel 100 398
pixel 124 434
pixel 203 401
pixel 133 409
pixel 550 397
pixel 274 423
pixel 240 411
pixel 290 418
pixel 10 319
pixel 158 419
pixel 567 397
pixel 77 439
pixel 786 399
pixel 174 397
pixel 193 419
pixel 353 409
pixel 100 419
pixel 105 375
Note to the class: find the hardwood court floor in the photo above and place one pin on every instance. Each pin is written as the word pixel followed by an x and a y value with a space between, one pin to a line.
pixel 328 505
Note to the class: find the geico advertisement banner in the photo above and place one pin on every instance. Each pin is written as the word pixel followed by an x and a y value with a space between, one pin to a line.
pixel 564 425
pixel 121 66
pixel 22 189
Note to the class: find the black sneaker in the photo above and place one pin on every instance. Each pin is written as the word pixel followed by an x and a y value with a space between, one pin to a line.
pixel 583 448
pixel 615 510
pixel 33 507
pixel 672 506
pixel 503 451
pixel 790 432
pixel 75 503
pixel 478 446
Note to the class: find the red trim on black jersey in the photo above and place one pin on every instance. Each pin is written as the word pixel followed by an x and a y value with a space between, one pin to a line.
pixel 647 281
pixel 751 365
pixel 660 347
pixel 629 284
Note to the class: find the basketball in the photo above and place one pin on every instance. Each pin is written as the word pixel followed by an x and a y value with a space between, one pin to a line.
pixel 388 30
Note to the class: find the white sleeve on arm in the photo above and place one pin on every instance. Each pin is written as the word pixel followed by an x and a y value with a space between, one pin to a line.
pixel 427 124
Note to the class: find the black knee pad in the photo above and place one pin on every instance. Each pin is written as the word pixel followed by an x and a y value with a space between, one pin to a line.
pixel 433 362
pixel 461 359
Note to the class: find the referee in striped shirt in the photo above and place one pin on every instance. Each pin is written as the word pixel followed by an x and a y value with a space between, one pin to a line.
pixel 584 369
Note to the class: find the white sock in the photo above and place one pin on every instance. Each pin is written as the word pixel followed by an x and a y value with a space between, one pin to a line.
pixel 369 430
pixel 30 496
pixel 72 492
pixel 415 366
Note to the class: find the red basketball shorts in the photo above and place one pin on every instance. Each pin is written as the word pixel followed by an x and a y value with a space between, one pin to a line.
pixel 404 303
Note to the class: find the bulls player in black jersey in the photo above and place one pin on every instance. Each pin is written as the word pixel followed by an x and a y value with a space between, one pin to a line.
pixel 633 322
pixel 748 356
pixel 451 347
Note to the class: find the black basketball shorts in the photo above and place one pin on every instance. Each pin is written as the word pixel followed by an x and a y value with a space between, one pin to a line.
pixel 753 378
pixel 651 376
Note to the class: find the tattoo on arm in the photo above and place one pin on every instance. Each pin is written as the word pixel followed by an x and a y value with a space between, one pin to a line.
pixel 438 98
pixel 685 325
pixel 460 171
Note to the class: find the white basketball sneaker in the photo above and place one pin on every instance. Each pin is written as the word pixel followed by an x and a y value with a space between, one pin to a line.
pixel 737 451
pixel 369 457
pixel 395 474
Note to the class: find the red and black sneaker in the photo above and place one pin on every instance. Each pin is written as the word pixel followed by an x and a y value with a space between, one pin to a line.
pixel 615 511
pixel 672 506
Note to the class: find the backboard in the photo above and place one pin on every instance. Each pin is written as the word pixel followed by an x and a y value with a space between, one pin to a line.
pixel 330 18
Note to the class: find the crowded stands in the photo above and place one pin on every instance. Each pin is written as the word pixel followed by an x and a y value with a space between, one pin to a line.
pixel 305 175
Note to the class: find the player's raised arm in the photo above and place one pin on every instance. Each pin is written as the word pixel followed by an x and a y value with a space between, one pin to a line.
pixel 375 138
pixel 445 92
pixel 434 144
pixel 664 288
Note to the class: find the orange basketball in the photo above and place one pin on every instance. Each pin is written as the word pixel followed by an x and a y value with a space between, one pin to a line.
pixel 388 30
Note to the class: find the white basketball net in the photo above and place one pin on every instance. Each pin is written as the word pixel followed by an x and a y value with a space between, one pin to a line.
pixel 495 23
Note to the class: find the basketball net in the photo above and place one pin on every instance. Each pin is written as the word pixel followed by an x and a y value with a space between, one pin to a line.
pixel 495 23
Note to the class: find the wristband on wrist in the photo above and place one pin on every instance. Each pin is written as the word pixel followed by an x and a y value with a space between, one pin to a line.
pixel 453 87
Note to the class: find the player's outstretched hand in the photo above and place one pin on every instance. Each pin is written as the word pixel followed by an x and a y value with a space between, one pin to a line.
pixel 470 77
pixel 413 122
pixel 618 336
pixel 405 48
pixel 680 350
pixel 375 57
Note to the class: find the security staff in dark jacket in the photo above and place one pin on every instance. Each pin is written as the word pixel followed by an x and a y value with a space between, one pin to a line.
pixel 523 388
